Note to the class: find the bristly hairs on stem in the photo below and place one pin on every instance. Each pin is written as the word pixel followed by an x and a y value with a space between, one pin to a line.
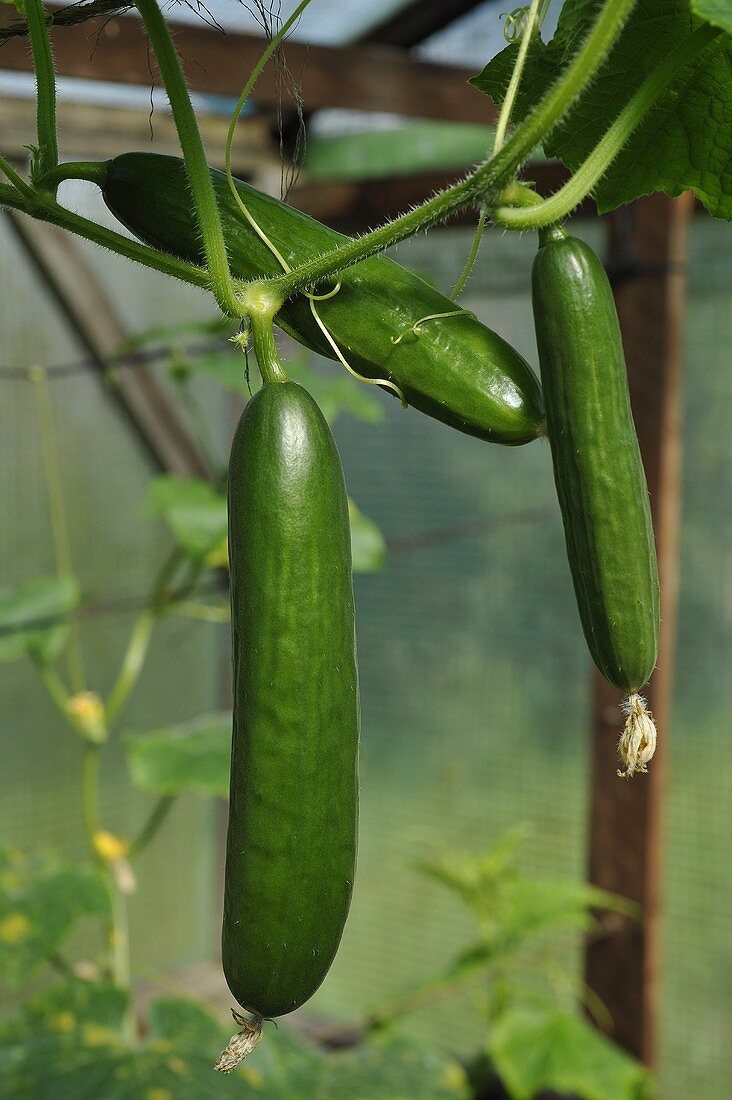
pixel 46 155
pixel 523 28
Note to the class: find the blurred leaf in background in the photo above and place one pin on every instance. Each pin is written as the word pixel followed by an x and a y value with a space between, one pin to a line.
pixel 41 897
pixel 73 1044
pixel 192 755
pixel 535 1049
pixel 33 602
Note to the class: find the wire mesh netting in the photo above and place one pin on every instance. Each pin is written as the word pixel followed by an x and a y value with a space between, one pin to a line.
pixel 475 680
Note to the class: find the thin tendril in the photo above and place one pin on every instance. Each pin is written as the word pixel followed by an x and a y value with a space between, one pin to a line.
pixel 416 328
pixel 385 382
pixel 472 255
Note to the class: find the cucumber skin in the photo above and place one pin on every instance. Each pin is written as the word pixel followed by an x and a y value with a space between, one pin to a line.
pixel 598 469
pixel 291 844
pixel 458 371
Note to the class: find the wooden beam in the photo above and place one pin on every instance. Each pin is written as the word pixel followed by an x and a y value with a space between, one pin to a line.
pixel 417 20
pixel 648 249
pixel 371 78
pixel 92 132
pixel 92 317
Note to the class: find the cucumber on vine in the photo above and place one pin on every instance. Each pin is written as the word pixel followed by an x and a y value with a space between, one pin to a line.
pixel 599 474
pixel 449 366
pixel 291 845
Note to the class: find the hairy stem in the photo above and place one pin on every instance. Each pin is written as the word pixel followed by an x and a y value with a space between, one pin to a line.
pixel 95 171
pixel 17 181
pixel 47 156
pixel 580 185
pixel 265 348
pixel 487 180
pixel 204 199
pixel 49 211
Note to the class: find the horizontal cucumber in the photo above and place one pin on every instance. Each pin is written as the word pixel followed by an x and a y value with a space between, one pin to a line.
pixel 598 470
pixel 454 369
pixel 291 844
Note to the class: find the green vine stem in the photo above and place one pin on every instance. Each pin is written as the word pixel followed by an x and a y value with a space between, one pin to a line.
pixel 504 117
pixel 95 171
pixel 486 181
pixel 563 201
pixel 50 211
pixel 157 816
pixel 527 34
pixel 265 347
pixel 46 157
pixel 17 181
pixel 132 663
pixel 90 795
pixel 204 199
pixel 472 255
pixel 57 510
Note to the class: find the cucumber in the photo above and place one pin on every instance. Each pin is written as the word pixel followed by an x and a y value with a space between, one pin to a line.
pixel 456 369
pixel 598 470
pixel 291 844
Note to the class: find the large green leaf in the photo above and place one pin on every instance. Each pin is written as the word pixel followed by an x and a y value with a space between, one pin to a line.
pixel 194 511
pixel 685 141
pixel 37 602
pixel 40 898
pixel 534 1049
pixel 718 12
pixel 69 1045
pixel 189 756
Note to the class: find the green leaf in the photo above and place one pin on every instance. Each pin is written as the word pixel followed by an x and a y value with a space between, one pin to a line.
pixel 537 1049
pixel 40 899
pixel 368 548
pixel 193 755
pixel 35 602
pixel 718 12
pixel 194 511
pixel 684 142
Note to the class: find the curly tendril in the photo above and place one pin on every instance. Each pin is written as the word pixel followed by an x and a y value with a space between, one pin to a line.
pixel 416 328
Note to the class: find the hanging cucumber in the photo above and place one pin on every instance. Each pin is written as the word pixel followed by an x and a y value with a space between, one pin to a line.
pixel 599 474
pixel 453 368
pixel 291 844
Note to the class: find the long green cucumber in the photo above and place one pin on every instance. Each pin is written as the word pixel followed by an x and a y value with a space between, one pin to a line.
pixel 598 470
pixel 454 368
pixel 291 845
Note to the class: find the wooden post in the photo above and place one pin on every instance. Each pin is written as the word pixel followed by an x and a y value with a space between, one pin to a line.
pixel 648 248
